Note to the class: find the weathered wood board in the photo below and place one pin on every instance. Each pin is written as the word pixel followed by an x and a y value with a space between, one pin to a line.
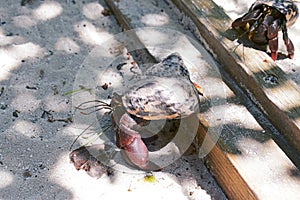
pixel 246 162
pixel 278 100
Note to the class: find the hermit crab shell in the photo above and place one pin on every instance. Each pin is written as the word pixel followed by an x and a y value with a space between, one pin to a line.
pixel 164 92
pixel 287 7
pixel 161 98
pixel 171 66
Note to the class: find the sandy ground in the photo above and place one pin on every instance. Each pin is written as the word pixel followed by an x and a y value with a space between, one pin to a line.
pixel 42 46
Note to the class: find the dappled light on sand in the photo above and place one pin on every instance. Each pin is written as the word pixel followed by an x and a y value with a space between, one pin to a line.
pixel 7 176
pixel 47 11
pixel 11 57
pixel 91 34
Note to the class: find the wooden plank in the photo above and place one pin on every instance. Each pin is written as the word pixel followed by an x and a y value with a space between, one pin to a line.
pixel 139 54
pixel 224 170
pixel 254 181
pixel 279 101
pixel 252 166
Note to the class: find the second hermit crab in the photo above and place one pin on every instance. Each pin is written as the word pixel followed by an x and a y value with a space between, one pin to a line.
pixel 164 91
pixel 265 19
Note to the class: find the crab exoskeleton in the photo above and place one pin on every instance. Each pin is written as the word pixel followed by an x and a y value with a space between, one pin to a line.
pixel 265 19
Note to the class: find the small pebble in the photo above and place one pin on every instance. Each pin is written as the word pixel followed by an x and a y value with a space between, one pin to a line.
pixel 27 174
pixel 106 12
pixel 16 113
pixel 105 86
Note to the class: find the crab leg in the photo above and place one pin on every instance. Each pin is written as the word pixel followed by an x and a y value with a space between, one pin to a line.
pixel 272 35
pixel 288 43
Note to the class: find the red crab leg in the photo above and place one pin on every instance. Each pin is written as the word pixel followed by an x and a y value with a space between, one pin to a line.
pixel 288 43
pixel 273 37
pixel 273 45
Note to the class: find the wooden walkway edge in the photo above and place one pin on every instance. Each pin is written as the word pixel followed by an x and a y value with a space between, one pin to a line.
pixel 237 174
pixel 224 171
pixel 280 100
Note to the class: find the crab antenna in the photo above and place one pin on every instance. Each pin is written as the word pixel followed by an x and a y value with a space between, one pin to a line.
pixel 101 104
pixel 97 135
pixel 240 36
pixel 81 134
pixel 92 101
pixel 104 107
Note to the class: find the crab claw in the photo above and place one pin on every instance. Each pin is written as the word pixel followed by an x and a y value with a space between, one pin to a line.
pixel 79 157
pixel 131 142
pixel 82 159
pixel 133 145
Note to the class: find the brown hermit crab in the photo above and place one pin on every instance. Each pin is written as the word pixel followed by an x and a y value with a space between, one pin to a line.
pixel 265 19
pixel 164 91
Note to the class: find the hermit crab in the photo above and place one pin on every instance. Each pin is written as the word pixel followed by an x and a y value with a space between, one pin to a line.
pixel 265 19
pixel 165 91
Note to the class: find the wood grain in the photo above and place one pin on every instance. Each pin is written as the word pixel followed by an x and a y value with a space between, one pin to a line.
pixel 223 169
pixel 279 101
